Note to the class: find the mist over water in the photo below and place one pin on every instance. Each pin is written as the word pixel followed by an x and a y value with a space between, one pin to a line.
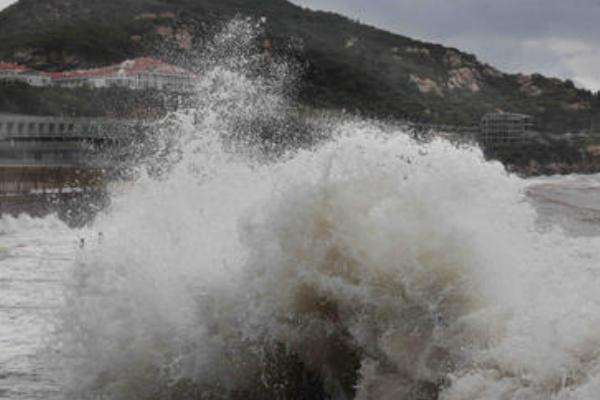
pixel 361 266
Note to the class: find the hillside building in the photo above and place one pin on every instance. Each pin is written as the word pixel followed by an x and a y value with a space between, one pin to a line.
pixel 136 74
pixel 505 128
pixel 18 73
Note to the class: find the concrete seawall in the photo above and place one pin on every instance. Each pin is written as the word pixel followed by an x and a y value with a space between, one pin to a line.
pixel 26 179
pixel 75 194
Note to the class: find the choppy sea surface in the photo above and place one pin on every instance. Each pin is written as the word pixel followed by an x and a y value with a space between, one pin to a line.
pixel 34 258
pixel 572 202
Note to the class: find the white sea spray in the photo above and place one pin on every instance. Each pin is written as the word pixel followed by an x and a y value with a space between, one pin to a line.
pixel 365 266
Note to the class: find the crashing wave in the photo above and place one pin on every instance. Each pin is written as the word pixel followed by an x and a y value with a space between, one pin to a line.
pixel 364 266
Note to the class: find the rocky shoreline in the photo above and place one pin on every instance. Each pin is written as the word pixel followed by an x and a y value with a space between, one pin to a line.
pixel 550 156
pixel 535 169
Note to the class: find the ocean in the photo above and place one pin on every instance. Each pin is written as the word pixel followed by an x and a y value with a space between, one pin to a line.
pixel 362 265
pixel 35 256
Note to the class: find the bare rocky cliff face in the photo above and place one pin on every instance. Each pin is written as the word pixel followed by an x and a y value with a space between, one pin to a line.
pixel 346 65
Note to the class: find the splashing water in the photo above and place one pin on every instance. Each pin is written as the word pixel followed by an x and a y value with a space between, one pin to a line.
pixel 368 266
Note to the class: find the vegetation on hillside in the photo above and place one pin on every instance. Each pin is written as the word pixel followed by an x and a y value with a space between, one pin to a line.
pixel 20 98
pixel 347 65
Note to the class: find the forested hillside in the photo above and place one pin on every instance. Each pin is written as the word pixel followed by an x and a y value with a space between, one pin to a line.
pixel 346 64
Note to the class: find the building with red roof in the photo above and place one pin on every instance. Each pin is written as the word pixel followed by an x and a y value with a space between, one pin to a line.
pixel 139 73
pixel 10 72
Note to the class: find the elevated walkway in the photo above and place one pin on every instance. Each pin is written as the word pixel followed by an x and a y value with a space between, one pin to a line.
pixel 47 140
pixel 20 127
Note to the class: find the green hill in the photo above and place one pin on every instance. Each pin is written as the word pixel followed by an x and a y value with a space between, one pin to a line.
pixel 348 65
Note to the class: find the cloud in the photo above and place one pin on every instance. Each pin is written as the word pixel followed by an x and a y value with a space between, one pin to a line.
pixel 554 37
pixel 6 3
pixel 574 58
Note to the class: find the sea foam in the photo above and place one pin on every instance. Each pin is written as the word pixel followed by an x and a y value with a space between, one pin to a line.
pixel 363 265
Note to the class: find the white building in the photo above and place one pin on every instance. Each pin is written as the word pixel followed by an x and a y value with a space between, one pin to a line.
pixel 139 73
pixel 18 73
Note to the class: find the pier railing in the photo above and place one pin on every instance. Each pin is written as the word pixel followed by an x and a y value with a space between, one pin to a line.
pixel 47 140
pixel 16 127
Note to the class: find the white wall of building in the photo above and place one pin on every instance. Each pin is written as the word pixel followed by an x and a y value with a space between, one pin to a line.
pixel 135 81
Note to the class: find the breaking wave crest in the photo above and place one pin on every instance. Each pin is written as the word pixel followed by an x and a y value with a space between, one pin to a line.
pixel 364 266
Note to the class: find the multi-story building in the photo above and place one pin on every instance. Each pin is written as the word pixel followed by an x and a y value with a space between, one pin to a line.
pixel 505 128
pixel 139 73
pixel 18 73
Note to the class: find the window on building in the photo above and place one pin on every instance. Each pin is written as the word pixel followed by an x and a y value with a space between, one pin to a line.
pixel 51 127
pixel 21 127
pixel 31 127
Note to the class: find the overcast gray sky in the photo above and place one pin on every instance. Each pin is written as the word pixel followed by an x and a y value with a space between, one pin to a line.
pixel 555 37
pixel 6 3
